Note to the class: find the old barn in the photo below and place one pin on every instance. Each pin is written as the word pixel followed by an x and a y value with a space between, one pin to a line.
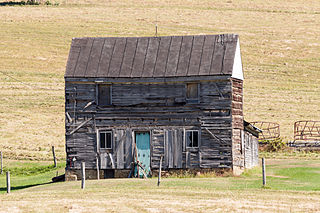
pixel 130 100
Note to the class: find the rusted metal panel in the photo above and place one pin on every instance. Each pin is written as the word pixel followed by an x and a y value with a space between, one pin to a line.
pixel 270 130
pixel 307 130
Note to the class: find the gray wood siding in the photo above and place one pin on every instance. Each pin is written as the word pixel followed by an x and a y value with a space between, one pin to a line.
pixel 160 107
pixel 251 154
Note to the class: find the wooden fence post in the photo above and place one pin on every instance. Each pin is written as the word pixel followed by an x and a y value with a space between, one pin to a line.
pixel 54 157
pixel 83 175
pixel 1 162
pixel 98 171
pixel 160 167
pixel 8 182
pixel 264 179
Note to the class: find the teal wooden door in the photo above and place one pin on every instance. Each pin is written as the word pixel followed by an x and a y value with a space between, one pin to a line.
pixel 143 153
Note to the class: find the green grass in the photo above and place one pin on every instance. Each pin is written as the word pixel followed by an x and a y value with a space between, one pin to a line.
pixel 292 185
pixel 26 174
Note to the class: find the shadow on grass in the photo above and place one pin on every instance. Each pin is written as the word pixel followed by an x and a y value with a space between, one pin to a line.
pixel 13 188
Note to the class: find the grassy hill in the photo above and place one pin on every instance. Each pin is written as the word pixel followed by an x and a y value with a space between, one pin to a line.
pixel 280 43
pixel 292 186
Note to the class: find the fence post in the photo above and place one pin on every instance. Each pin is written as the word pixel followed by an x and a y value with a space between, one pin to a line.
pixel 8 182
pixel 98 171
pixel 83 175
pixel 54 157
pixel 264 179
pixel 160 167
pixel 1 162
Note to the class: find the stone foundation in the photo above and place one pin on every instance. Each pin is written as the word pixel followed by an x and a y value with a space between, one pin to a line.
pixel 75 174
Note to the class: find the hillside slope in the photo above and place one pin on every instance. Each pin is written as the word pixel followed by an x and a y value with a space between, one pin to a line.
pixel 280 46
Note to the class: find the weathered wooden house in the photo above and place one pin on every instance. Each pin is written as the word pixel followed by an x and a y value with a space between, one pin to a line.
pixel 130 100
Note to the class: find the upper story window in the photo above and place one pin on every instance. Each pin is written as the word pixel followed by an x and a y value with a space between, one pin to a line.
pixel 192 138
pixel 192 92
pixel 105 140
pixel 104 95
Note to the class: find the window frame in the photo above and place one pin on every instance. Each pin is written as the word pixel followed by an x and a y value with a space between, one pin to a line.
pixel 98 94
pixel 193 100
pixel 99 139
pixel 185 138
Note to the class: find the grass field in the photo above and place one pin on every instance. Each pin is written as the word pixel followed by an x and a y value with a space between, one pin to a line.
pixel 280 43
pixel 292 186
pixel 280 52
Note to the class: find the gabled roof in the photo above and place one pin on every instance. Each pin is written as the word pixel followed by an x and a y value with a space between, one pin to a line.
pixel 168 56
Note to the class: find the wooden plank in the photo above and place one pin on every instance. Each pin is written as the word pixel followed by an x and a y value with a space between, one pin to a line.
pixel 170 149
pixel 54 157
pixel 177 161
pixel 173 57
pixel 156 79
pixel 98 169
pixel 128 58
pixel 8 182
pixel 83 59
pixel 207 54
pixel 160 167
pixel 112 161
pixel 81 125
pixel 103 160
pixel 185 53
pixel 166 147
pixel 94 58
pixel 69 117
pixel 264 178
pixel 128 147
pixel 139 59
pixel 106 56
pixel 196 54
pixel 188 165
pixel 120 138
pixel 117 57
pixel 162 57
pixel 83 175
pixel 151 57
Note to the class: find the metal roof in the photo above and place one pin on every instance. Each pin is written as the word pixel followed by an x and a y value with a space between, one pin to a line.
pixel 169 56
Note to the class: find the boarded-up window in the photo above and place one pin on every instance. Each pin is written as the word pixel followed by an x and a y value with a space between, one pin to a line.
pixel 193 91
pixel 104 95
pixel 192 138
pixel 105 140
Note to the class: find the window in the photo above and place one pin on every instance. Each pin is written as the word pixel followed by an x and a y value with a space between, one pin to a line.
pixel 193 92
pixel 105 140
pixel 192 138
pixel 104 95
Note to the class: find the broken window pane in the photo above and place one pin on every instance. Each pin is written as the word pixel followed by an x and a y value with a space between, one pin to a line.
pixel 192 138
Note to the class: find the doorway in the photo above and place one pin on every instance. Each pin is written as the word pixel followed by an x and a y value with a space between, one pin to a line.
pixel 142 140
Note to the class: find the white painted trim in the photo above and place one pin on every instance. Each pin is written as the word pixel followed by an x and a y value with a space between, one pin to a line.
pixel 237 71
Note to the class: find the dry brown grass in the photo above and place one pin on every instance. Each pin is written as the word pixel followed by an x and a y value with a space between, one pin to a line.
pixel 174 195
pixel 280 44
